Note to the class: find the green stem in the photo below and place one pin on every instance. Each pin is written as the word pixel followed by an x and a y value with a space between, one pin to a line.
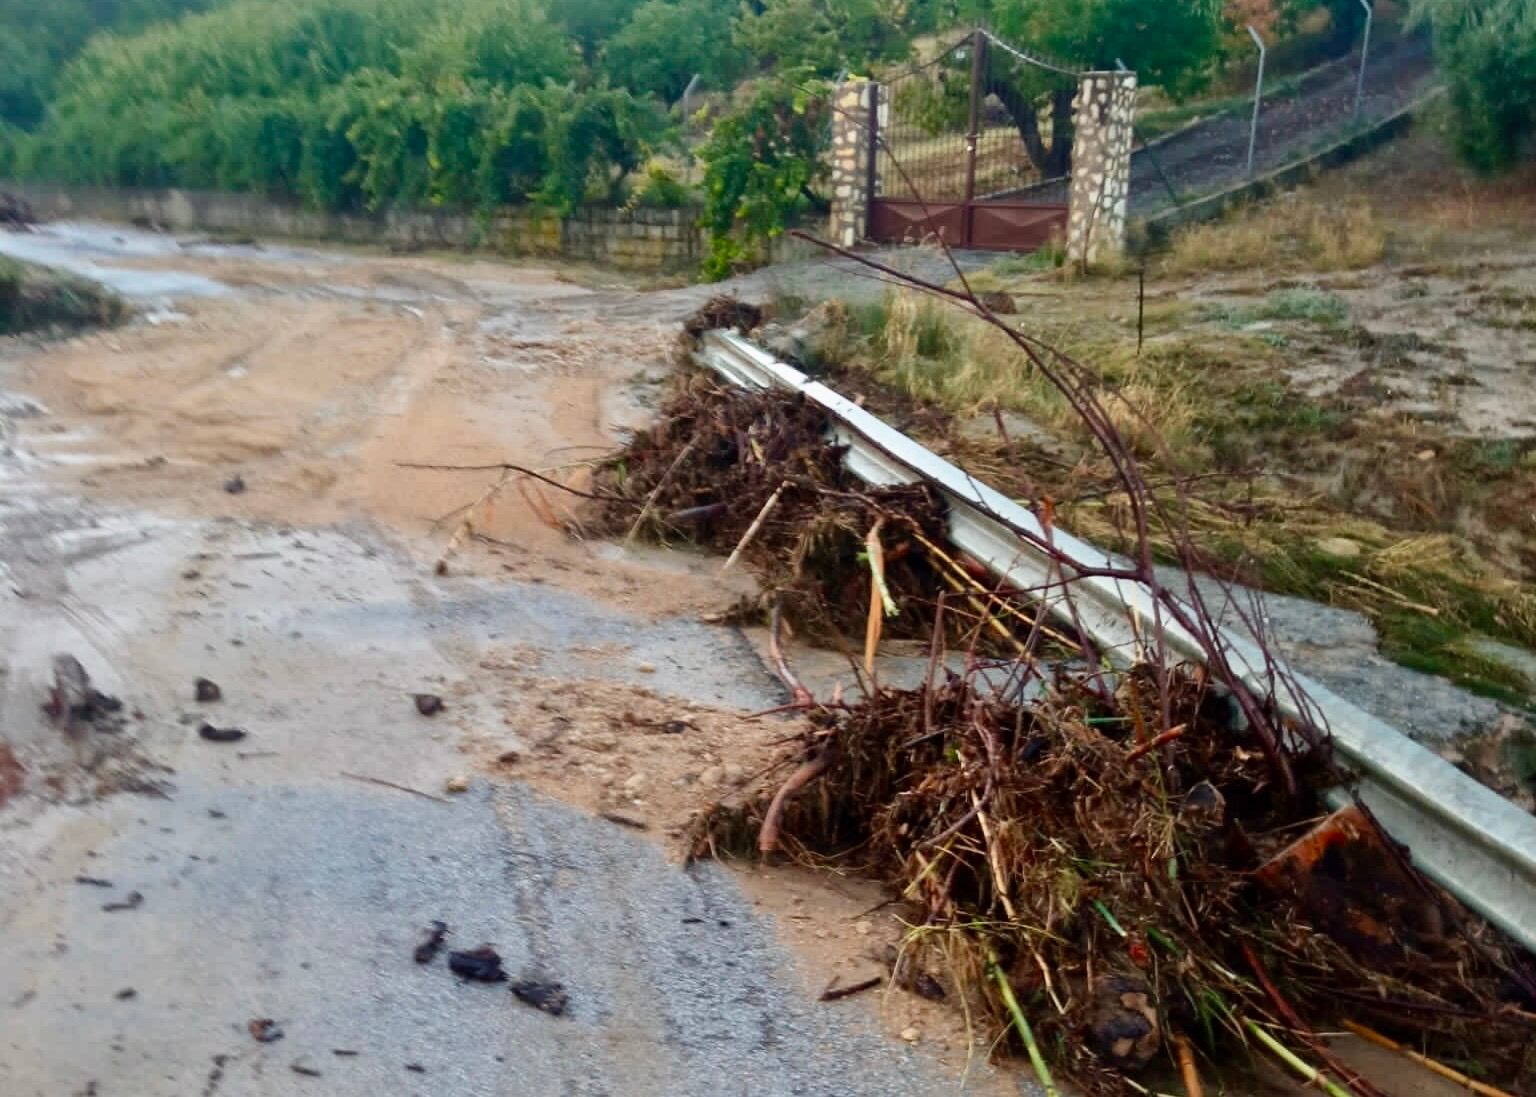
pixel 1305 1071
pixel 1042 1071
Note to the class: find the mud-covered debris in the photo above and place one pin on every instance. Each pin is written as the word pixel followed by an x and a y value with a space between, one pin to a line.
pixel 548 997
pixel 836 993
pixel 132 901
pixel 926 986
pixel 723 311
pixel 73 703
pixel 1123 1027
pixel 235 484
pixel 999 302
pixel 481 965
pixel 428 704
pixel 264 1030
pixel 16 212
pixel 620 819
pixel 427 951
pixel 221 735
pixel 206 690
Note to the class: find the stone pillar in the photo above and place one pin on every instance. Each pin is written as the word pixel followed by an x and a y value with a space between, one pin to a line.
pixel 1103 112
pixel 852 146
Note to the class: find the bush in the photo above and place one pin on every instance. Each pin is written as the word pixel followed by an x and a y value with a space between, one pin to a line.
pixel 760 164
pixel 345 104
pixel 1488 54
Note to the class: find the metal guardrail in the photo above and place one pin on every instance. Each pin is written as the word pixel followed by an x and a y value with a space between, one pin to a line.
pixel 1466 837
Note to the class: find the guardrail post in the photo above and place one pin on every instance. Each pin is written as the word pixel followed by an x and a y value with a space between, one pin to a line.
pixel 1103 118
pixel 854 105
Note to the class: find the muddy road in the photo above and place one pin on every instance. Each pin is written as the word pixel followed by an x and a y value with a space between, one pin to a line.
pixel 277 877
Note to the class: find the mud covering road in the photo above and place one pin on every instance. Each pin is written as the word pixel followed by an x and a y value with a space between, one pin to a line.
pixel 277 884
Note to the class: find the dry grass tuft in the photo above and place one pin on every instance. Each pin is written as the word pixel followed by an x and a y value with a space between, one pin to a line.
pixel 1299 229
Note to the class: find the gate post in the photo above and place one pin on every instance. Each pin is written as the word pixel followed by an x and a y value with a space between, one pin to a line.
pixel 853 160
pixel 1104 111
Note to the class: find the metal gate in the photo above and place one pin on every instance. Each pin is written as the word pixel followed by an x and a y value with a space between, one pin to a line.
pixel 946 155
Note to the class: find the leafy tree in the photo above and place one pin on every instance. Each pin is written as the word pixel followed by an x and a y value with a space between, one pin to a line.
pixel 592 22
pixel 760 164
pixel 824 36
pixel 345 103
pixel 1171 44
pixel 1487 52
pixel 37 37
pixel 668 41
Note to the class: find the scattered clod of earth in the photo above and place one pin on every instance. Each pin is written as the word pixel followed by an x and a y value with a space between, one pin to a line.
pixel 481 965
pixel 428 704
pixel 264 1030
pixel 234 485
pixel 548 997
pixel 427 951
pixel 207 690
pixel 134 900
pixel 456 784
pixel 623 820
pixel 221 735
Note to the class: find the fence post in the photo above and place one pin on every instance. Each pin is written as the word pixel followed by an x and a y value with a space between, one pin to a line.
pixel 853 106
pixel 1258 97
pixel 1103 118
pixel 1365 55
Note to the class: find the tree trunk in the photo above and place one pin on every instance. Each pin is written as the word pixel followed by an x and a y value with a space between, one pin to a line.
pixel 1061 132
pixel 1050 160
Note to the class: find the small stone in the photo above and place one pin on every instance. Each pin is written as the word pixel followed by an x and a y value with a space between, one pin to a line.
pixel 646 668
pixel 732 773
pixel 911 1034
pixel 863 928
pixel 712 776
pixel 635 784
pixel 457 784
pixel 428 704
pixel 234 485
pixel 206 690
pixel 510 756
pixel 1425 455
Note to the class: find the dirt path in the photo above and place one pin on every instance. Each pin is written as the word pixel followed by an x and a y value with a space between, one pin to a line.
pixel 275 885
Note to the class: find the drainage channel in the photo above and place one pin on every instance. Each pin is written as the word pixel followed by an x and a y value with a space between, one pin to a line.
pixel 1466 837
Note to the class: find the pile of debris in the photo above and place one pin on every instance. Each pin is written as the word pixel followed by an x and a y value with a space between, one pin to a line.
pixel 752 475
pixel 15 212
pixel 1126 870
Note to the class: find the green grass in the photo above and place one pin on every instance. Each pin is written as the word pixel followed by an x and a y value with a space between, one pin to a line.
pixel 1311 306
pixel 33 298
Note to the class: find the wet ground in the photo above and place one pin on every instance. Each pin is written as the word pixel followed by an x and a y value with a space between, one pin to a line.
pixel 277 880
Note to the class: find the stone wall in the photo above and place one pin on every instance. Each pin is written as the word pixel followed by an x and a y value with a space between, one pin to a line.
pixel 1101 165
pixel 641 239
pixel 851 149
